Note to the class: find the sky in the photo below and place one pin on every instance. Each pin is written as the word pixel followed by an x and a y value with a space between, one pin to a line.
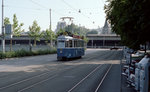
pixel 91 13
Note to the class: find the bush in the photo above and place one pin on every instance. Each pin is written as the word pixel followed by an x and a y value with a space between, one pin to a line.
pixel 22 53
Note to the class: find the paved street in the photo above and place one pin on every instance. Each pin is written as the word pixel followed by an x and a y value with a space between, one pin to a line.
pixel 98 71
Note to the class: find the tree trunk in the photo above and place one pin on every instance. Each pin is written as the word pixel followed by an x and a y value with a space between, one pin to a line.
pixel 51 43
pixel 10 44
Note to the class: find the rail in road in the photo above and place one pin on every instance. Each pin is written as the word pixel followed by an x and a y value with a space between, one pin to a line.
pixel 90 74
pixel 93 72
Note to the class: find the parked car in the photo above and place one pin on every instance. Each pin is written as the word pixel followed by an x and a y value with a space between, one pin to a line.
pixel 114 48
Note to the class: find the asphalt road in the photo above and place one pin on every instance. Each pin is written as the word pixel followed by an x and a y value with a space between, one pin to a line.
pixel 97 71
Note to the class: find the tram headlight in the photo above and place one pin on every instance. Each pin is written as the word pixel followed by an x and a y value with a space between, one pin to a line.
pixel 60 50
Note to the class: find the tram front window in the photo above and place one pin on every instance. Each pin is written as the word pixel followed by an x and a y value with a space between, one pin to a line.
pixel 61 44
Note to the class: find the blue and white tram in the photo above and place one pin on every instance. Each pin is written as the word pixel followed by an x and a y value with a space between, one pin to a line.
pixel 69 47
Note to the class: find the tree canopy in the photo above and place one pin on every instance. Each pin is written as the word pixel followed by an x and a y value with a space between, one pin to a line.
pixel 92 32
pixel 17 27
pixel 75 29
pixel 130 19
pixel 34 32
pixel 49 35
pixel 6 21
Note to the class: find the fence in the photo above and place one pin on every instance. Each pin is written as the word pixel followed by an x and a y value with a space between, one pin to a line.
pixel 25 47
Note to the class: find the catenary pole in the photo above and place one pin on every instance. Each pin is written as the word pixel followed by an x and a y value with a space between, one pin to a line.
pixel 3 30
pixel 50 26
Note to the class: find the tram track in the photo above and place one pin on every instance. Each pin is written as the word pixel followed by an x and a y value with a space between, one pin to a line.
pixel 25 89
pixel 45 76
pixel 79 86
pixel 84 79
pixel 37 76
pixel 103 79
pixel 48 75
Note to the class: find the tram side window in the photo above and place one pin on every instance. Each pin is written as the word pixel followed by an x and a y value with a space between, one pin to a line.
pixel 78 43
pixel 75 43
pixel 68 43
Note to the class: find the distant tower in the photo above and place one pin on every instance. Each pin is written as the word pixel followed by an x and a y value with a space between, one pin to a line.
pixel 106 29
pixel 61 25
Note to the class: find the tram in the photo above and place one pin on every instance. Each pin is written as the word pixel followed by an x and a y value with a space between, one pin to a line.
pixel 69 47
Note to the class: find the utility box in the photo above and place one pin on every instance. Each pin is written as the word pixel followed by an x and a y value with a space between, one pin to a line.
pixel 8 31
pixel 144 74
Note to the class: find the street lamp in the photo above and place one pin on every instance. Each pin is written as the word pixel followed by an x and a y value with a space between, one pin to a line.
pixel 3 30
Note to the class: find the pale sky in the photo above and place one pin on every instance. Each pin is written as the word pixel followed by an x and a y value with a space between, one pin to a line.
pixel 29 10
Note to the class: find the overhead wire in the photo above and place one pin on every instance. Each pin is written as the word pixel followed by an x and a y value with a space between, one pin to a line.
pixel 78 11
pixel 42 7
pixel 38 4
pixel 20 7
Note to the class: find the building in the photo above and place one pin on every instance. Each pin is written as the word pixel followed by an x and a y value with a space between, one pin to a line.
pixel 103 40
pixel 60 25
pixel 106 28
pixel 106 38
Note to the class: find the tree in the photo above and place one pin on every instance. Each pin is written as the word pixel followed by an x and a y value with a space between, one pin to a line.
pixel 60 32
pixel 49 36
pixel 130 19
pixel 85 39
pixel 34 32
pixel 93 32
pixel 6 21
pixel 75 29
pixel 17 27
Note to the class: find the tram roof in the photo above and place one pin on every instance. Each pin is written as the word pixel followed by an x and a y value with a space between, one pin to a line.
pixel 64 37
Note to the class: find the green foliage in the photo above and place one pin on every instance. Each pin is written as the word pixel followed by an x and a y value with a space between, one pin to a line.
pixel 60 32
pixel 92 32
pixel 17 27
pixel 73 29
pixel 130 19
pixel 34 32
pixel 85 39
pixel 6 21
pixel 22 53
pixel 49 35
